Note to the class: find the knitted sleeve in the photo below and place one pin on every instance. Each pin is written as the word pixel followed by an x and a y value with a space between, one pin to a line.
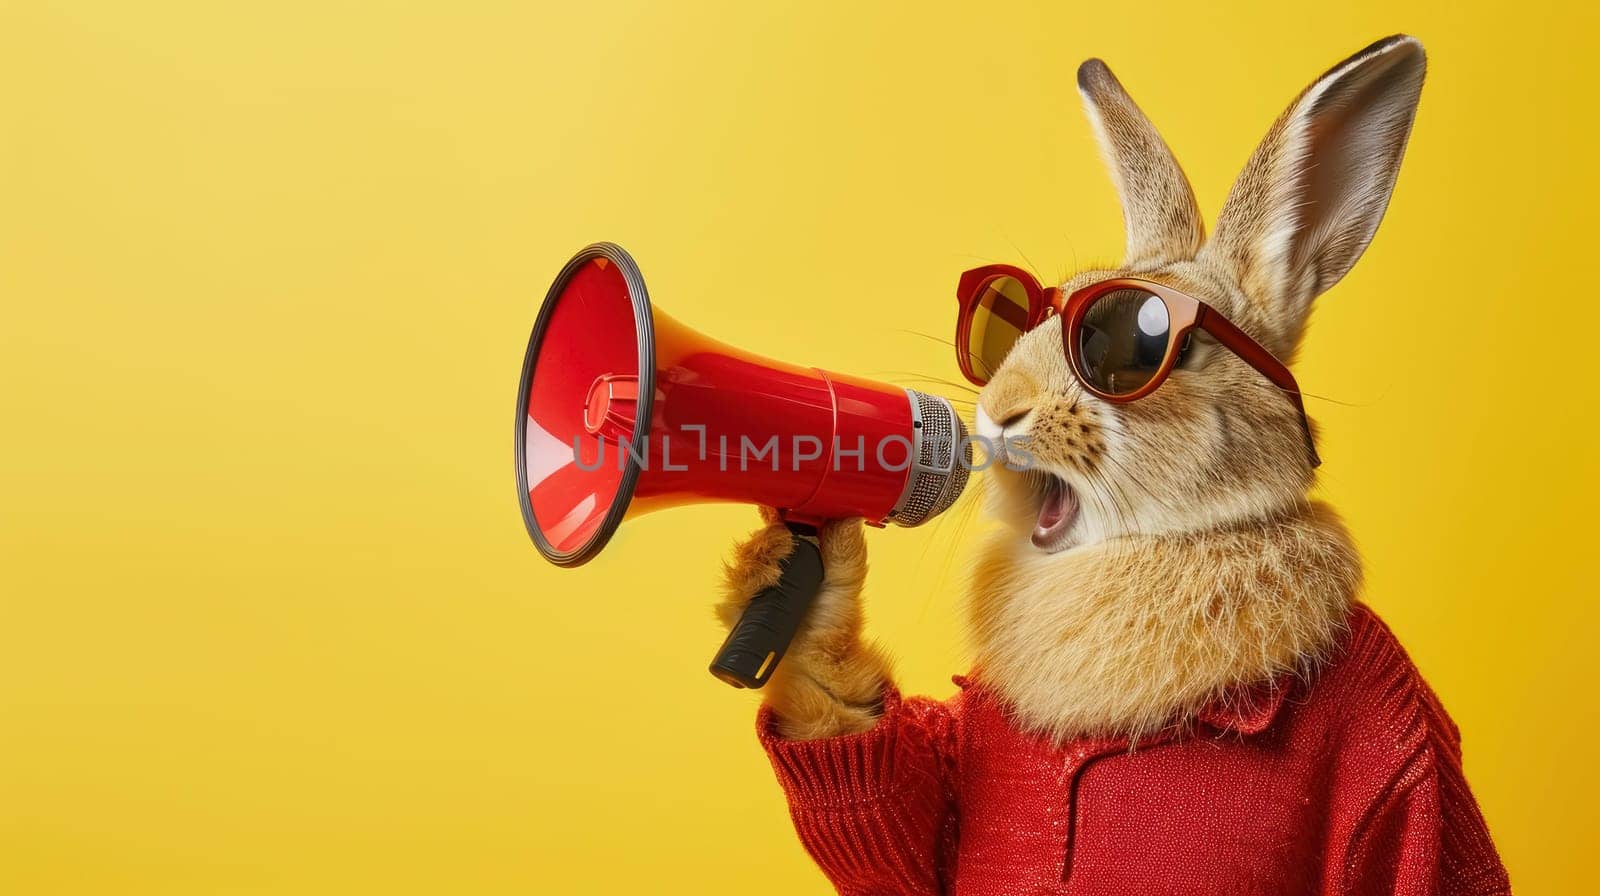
pixel 874 809
pixel 1419 830
pixel 1426 837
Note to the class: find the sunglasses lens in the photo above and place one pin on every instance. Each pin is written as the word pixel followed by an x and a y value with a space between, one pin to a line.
pixel 999 318
pixel 1123 340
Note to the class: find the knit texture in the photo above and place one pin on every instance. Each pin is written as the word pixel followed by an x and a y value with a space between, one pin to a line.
pixel 1348 784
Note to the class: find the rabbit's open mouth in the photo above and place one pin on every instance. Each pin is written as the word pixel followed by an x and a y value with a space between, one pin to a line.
pixel 1058 510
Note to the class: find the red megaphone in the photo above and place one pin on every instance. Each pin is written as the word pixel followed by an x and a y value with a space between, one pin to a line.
pixel 622 410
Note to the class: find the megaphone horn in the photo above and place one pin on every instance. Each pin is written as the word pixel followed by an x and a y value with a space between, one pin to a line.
pixel 622 410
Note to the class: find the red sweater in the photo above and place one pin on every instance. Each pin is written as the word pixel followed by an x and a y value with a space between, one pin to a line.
pixel 1350 786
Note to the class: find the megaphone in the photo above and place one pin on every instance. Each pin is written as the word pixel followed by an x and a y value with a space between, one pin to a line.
pixel 622 410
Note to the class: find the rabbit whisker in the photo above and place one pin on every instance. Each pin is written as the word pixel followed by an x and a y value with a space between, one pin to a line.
pixel 1026 260
pixel 913 375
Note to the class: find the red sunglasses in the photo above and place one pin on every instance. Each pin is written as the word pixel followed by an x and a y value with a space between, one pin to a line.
pixel 1122 337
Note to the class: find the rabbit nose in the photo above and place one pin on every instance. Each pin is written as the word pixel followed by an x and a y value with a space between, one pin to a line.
pixel 1014 419
pixel 990 429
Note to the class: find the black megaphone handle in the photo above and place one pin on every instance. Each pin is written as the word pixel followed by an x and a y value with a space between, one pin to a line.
pixel 757 642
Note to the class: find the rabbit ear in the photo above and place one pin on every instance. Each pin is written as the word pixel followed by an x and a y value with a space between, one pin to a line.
pixel 1312 195
pixel 1158 208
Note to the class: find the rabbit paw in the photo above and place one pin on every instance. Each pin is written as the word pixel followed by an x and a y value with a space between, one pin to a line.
pixel 831 680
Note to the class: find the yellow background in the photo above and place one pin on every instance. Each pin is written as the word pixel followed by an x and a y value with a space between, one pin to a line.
pixel 270 620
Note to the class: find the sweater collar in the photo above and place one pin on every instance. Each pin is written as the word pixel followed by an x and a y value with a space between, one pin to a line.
pixel 1246 710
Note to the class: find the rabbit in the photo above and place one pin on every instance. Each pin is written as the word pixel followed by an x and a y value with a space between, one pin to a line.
pixel 1172 669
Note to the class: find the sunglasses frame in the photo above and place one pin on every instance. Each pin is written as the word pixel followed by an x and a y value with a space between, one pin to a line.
pixel 1185 314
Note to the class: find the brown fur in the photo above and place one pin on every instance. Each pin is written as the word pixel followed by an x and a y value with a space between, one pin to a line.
pixel 1196 562
pixel 831 680
pixel 1130 635
pixel 1312 195
pixel 1159 212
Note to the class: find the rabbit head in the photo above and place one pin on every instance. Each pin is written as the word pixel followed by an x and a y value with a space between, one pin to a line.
pixel 1217 444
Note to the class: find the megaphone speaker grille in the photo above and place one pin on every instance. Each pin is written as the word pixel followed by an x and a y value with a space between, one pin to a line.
pixel 937 477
